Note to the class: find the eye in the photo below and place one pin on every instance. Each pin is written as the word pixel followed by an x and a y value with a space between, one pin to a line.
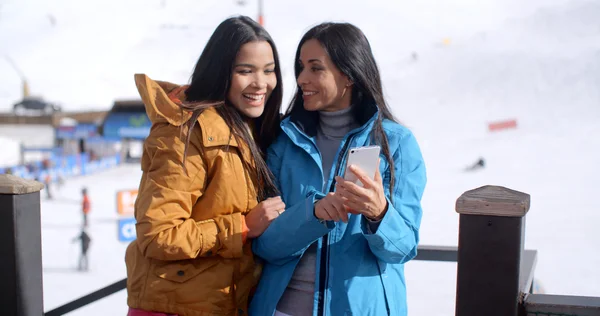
pixel 269 71
pixel 315 69
pixel 244 71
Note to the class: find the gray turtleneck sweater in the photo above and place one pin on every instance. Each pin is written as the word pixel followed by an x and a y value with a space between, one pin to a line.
pixel 297 300
pixel 333 127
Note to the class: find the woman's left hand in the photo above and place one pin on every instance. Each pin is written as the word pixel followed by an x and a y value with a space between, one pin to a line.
pixel 368 200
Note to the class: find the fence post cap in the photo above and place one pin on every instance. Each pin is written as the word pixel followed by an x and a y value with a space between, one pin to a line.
pixel 493 201
pixel 10 184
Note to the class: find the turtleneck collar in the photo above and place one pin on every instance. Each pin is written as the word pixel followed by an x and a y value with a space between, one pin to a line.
pixel 337 124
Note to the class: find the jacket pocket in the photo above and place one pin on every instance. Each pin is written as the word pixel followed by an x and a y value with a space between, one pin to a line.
pixel 182 272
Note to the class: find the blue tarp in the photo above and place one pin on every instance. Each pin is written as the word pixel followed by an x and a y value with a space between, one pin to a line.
pixel 126 125
pixel 65 166
pixel 79 131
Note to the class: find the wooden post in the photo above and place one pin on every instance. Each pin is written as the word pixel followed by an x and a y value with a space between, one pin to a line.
pixel 21 291
pixel 490 246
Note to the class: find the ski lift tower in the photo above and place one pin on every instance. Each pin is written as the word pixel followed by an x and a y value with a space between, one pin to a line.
pixel 261 20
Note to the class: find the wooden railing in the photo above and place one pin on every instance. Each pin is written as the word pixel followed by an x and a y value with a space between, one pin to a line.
pixel 495 274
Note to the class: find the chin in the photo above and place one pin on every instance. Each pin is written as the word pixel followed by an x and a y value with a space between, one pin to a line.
pixel 311 108
pixel 254 112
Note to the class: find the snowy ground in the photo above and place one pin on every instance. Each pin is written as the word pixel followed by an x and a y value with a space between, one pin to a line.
pixel 11 152
pixel 478 61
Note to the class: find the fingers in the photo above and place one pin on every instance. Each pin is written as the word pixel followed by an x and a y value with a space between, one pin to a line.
pixel 357 200
pixel 261 216
pixel 338 205
pixel 331 212
pixel 269 209
pixel 341 190
pixel 343 214
pixel 354 207
pixel 280 207
pixel 348 199
pixel 332 208
pixel 272 200
pixel 274 203
pixel 362 176
pixel 275 211
pixel 351 187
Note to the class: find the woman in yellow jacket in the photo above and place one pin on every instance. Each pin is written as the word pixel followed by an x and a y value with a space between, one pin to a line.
pixel 203 178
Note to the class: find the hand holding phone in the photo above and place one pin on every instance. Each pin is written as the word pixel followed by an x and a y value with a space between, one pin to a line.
pixel 366 158
pixel 368 200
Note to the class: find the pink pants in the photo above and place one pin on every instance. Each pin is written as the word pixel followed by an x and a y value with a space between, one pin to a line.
pixel 140 312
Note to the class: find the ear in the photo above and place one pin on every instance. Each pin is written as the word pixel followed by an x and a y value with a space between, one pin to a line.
pixel 349 82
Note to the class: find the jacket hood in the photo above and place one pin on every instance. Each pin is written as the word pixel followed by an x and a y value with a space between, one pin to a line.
pixel 162 100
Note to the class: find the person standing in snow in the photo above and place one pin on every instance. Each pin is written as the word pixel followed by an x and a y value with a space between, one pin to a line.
pixel 86 206
pixel 85 239
pixel 47 182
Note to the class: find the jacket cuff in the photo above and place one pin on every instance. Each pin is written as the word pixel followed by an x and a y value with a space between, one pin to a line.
pixel 209 241
pixel 316 197
pixel 230 235
pixel 372 225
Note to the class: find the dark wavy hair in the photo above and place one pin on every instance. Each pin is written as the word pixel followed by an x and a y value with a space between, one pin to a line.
pixel 350 51
pixel 210 84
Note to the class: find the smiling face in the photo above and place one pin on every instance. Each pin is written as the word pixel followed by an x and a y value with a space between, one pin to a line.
pixel 253 78
pixel 324 87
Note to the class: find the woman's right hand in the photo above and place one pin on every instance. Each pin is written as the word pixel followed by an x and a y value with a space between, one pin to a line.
pixel 331 208
pixel 259 218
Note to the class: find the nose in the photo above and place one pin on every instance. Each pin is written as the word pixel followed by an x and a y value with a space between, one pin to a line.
pixel 302 78
pixel 260 81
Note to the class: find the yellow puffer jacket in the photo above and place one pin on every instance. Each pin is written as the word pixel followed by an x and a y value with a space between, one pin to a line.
pixel 190 257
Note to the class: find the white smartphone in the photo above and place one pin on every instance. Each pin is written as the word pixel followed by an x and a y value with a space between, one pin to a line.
pixel 366 158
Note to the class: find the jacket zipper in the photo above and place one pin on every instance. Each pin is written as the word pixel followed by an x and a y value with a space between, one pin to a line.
pixel 324 262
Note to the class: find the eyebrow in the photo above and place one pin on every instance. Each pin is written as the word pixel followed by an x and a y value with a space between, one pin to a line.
pixel 312 60
pixel 253 66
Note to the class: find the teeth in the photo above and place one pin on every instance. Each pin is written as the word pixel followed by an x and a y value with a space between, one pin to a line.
pixel 307 93
pixel 256 97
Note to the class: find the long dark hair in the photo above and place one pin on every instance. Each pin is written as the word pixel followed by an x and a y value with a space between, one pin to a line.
pixel 210 84
pixel 351 53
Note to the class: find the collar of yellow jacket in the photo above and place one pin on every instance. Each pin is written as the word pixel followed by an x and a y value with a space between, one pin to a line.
pixel 162 100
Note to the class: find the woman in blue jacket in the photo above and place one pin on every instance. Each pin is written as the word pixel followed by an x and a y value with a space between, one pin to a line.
pixel 339 249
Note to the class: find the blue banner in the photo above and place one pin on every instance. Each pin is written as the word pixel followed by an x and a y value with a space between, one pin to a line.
pixel 127 229
pixel 66 167
pixel 79 131
pixel 126 125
